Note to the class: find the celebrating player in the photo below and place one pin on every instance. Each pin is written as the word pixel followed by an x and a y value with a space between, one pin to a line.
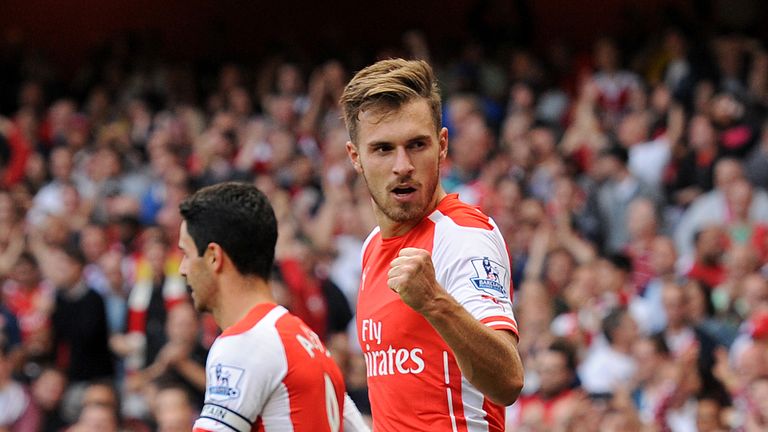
pixel 434 315
pixel 267 371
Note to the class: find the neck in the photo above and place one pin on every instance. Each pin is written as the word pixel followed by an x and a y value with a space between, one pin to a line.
pixel 75 290
pixel 242 294
pixel 390 228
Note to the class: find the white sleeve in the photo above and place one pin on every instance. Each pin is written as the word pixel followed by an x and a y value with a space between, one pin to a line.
pixel 239 381
pixel 473 265
pixel 353 420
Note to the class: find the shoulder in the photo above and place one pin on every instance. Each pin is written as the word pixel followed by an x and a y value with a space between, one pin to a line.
pixel 452 211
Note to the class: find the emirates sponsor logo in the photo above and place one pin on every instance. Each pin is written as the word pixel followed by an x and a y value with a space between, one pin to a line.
pixel 390 360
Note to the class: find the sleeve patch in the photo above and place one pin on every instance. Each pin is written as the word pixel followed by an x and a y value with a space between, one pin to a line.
pixel 223 382
pixel 489 277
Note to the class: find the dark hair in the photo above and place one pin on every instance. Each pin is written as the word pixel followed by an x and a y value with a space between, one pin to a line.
pixel 74 253
pixel 239 218
pixel 611 322
pixel 566 349
pixel 26 257
pixel 616 151
pixel 659 343
pixel 621 261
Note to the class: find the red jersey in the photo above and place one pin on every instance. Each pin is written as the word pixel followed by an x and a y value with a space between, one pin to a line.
pixel 270 372
pixel 414 381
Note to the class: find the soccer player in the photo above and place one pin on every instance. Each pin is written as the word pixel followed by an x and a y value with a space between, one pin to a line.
pixel 267 371
pixel 434 314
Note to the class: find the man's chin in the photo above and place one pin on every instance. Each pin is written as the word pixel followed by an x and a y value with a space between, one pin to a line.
pixel 198 305
pixel 398 212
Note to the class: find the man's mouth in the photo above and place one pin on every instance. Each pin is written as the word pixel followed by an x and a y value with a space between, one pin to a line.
pixel 403 190
pixel 404 194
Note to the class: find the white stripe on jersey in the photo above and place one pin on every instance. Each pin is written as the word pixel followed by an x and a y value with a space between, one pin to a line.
pixel 448 391
pixel 279 405
pixel 474 413
pixel 272 316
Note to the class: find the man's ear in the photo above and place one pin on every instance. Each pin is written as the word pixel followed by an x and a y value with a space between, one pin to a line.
pixel 354 156
pixel 214 257
pixel 443 141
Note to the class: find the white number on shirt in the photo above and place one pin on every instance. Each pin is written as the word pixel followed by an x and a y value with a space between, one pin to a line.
pixel 332 408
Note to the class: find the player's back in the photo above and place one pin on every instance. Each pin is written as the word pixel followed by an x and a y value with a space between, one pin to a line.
pixel 270 372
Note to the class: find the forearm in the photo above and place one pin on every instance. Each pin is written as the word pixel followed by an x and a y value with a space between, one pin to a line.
pixel 487 358
pixel 192 372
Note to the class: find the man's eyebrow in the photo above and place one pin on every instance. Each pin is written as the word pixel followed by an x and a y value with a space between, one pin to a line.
pixel 385 142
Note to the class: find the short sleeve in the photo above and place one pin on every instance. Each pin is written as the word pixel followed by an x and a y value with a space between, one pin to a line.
pixel 242 371
pixel 473 265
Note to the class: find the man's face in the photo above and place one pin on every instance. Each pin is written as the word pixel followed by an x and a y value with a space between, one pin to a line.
pixel 553 373
pixel 194 269
pixel 398 153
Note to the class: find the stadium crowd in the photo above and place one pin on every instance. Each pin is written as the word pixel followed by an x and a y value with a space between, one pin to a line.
pixel 629 185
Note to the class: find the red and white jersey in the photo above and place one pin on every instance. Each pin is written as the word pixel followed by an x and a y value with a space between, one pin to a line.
pixel 414 381
pixel 270 372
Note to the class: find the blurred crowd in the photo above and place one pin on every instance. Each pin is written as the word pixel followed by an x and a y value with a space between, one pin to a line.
pixel 629 185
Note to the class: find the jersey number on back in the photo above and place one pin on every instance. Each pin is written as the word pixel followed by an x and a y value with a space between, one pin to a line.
pixel 332 409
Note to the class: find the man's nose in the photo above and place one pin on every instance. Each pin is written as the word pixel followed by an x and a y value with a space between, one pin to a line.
pixel 403 164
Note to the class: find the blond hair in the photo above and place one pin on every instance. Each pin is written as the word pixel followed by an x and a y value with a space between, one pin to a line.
pixel 389 84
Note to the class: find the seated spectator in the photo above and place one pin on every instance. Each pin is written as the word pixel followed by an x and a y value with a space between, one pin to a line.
pixel 712 208
pixel 558 396
pixel 614 195
pixel 16 414
pixel 79 320
pixel 709 416
pixel 156 290
pixel 31 299
pixel 173 409
pixel 707 266
pixel 47 392
pixel 608 363
pixel 181 360
pixel 96 418
pixel 653 376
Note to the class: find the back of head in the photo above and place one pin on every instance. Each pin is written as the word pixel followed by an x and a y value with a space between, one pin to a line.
pixel 239 218
pixel 390 84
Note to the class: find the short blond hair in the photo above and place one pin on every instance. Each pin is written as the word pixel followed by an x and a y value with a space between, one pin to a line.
pixel 389 84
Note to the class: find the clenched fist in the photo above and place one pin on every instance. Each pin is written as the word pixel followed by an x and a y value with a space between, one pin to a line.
pixel 412 276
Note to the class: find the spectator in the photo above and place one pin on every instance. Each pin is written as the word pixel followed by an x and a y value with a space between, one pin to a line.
pixel 616 87
pixel 157 289
pixel 16 414
pixel 614 195
pixel 79 320
pixel 181 360
pixel 47 392
pixel 609 364
pixel 712 207
pixel 707 265
pixel 31 300
pixel 558 396
pixel 174 410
